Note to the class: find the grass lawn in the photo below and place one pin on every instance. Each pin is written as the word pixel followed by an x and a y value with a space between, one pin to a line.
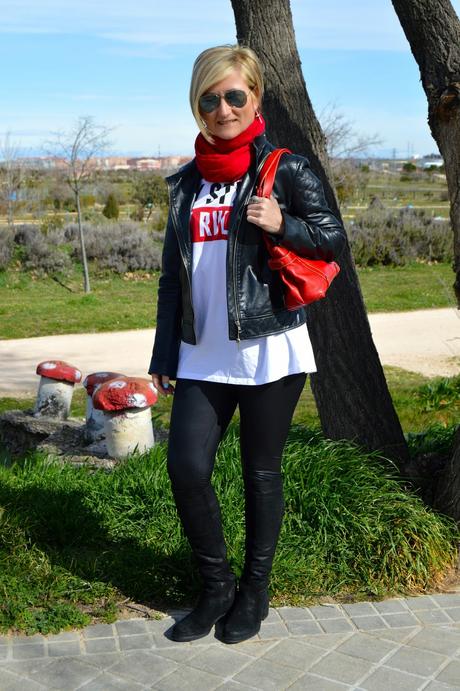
pixel 40 307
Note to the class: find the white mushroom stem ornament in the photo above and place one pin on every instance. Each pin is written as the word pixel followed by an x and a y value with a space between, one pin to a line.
pixel 94 429
pixel 55 389
pixel 127 419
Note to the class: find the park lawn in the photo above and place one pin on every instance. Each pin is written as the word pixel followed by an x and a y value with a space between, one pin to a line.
pixel 31 306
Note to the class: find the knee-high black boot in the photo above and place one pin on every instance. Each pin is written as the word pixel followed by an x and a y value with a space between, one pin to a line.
pixel 199 512
pixel 264 516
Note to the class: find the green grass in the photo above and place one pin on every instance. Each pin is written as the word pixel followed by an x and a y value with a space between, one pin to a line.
pixel 74 543
pixel 40 307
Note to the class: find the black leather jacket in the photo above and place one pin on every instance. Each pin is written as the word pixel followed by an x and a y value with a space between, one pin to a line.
pixel 255 301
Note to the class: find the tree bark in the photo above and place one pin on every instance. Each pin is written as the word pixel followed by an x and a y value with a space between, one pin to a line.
pixel 350 388
pixel 432 29
pixel 86 284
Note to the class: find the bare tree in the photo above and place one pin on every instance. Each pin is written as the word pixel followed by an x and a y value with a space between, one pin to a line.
pixel 344 145
pixel 11 176
pixel 433 31
pixel 350 388
pixel 78 149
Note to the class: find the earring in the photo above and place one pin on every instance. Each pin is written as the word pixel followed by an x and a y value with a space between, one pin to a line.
pixel 258 115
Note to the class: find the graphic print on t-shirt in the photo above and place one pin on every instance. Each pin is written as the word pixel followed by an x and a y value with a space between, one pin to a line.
pixel 211 212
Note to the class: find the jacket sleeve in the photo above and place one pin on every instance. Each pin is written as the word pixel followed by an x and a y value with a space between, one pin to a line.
pixel 169 314
pixel 310 228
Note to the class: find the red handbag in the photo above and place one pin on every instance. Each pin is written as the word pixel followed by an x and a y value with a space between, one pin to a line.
pixel 305 280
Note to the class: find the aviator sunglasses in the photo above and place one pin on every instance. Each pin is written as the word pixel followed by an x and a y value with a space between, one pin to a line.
pixel 236 98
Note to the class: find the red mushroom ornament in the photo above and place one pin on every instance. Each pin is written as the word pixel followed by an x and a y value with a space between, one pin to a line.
pixel 55 389
pixel 127 419
pixel 94 429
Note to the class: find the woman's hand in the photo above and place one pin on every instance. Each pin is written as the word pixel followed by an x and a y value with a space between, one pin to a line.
pixel 162 385
pixel 266 214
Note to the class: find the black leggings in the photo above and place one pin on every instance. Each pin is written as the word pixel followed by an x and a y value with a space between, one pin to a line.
pixel 200 416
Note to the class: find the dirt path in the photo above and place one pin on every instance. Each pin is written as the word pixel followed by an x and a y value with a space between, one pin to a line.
pixel 425 341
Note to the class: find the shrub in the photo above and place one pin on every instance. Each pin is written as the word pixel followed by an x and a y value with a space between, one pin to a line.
pixel 39 251
pixel 111 209
pixel 121 247
pixel 379 236
pixel 6 247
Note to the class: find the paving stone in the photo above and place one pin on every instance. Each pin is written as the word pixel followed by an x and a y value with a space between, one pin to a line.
pixel 254 648
pixel 159 626
pixel 433 616
pixel 359 609
pixel 181 654
pixel 108 682
pixel 439 686
pixel 310 681
pixel 326 612
pixel 137 642
pixel 4 652
pixel 276 630
pixel 423 662
pixel 369 623
pixel 63 636
pixel 144 667
pixel 336 625
pixel 10 682
pixel 438 640
pixel 64 649
pixel 295 613
pixel 453 612
pixel 303 628
pixel 327 640
pixel 294 653
pixel 223 660
pixel 340 667
pixel 27 667
pixel 450 674
pixel 190 679
pixel 130 627
pixel 235 686
pixel 103 661
pixel 24 652
pixel 160 641
pixel 447 600
pixel 398 620
pixel 65 673
pixel 421 602
pixel 98 631
pixel 266 674
pixel 100 645
pixel 384 678
pixel 397 635
pixel 4 640
pixel 390 606
pixel 273 617
pixel 365 647
pixel 28 640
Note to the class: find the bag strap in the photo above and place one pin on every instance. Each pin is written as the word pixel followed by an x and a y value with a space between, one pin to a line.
pixel 268 172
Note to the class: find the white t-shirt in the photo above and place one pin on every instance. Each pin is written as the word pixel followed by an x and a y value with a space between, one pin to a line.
pixel 215 357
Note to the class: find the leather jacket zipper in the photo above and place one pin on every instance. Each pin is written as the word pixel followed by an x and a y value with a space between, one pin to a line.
pixel 237 320
pixel 184 258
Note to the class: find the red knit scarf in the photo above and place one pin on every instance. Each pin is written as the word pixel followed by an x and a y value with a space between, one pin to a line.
pixel 227 160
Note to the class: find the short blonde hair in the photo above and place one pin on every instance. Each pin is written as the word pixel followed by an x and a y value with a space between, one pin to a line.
pixel 213 65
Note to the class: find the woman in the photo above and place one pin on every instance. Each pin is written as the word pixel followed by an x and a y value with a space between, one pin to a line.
pixel 224 334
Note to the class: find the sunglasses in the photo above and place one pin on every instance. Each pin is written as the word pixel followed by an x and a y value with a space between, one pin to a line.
pixel 236 98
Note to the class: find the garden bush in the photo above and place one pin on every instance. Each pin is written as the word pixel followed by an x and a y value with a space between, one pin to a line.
pixel 381 236
pixel 122 247
pixel 6 247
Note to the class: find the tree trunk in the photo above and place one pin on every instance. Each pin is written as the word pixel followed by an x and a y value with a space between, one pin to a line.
pixel 433 31
pixel 86 285
pixel 350 389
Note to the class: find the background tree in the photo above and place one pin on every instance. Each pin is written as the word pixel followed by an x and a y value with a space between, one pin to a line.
pixel 350 388
pixel 433 31
pixel 78 148
pixel 149 190
pixel 11 176
pixel 111 208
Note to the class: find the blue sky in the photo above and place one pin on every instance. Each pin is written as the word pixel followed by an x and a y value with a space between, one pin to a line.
pixel 128 65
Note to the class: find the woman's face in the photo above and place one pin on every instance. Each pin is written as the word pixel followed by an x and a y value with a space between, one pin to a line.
pixel 228 121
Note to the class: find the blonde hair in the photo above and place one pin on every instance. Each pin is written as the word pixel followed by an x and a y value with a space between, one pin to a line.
pixel 213 65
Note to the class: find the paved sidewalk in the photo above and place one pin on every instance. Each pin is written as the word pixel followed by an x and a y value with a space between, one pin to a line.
pixel 400 644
